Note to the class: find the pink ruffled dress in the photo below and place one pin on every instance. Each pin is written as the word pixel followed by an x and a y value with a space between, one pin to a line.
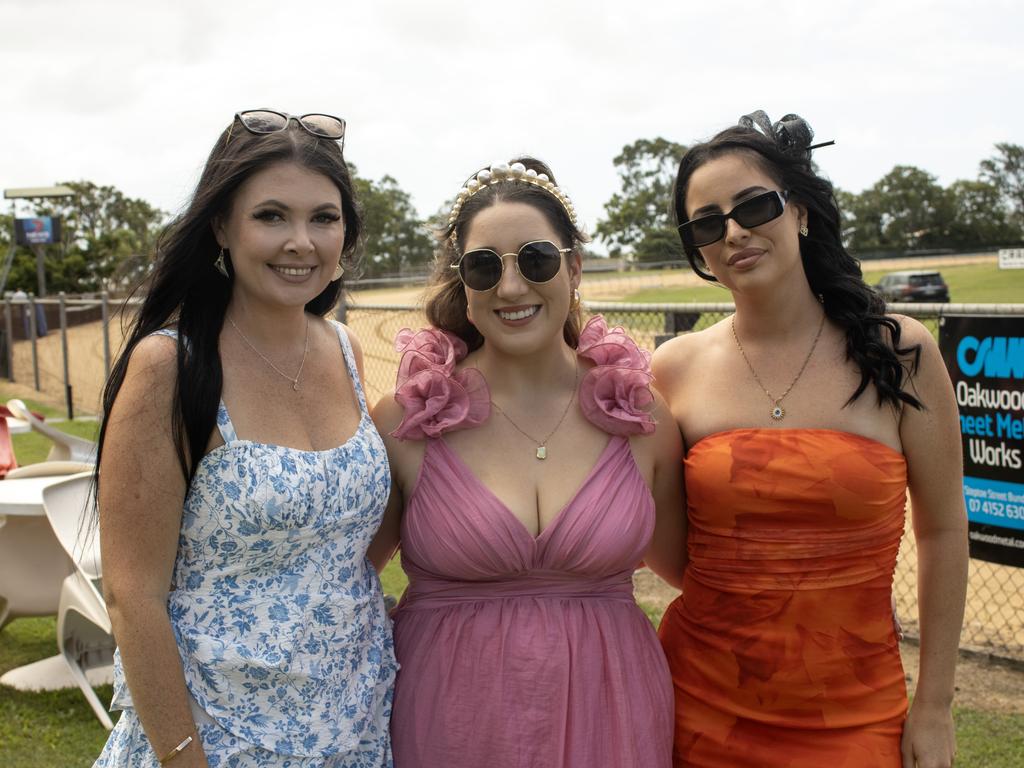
pixel 521 651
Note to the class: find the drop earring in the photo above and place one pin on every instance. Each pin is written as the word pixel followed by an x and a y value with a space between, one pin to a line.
pixel 804 230
pixel 220 265
pixel 574 300
pixel 339 271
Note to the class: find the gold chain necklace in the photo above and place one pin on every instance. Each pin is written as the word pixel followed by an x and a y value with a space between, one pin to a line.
pixel 295 380
pixel 778 413
pixel 542 448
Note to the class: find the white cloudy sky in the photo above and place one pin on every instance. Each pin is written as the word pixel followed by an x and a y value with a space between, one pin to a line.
pixel 133 94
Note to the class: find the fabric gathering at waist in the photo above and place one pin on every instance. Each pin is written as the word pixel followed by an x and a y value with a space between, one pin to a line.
pixel 428 592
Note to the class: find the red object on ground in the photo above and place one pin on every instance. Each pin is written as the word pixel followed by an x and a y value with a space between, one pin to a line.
pixel 7 460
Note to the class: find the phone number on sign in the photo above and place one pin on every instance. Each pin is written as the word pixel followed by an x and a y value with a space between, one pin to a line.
pixel 996 508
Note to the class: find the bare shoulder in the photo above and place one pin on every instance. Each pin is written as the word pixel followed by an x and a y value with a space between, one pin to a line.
pixel 914 332
pixel 139 434
pixel 153 362
pixel 387 413
pixel 674 359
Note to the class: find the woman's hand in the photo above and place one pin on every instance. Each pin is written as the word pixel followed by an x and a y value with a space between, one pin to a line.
pixel 929 739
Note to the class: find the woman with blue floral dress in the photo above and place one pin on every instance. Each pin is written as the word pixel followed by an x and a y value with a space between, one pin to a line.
pixel 241 480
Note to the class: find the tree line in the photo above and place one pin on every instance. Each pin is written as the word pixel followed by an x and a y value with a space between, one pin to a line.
pixel 907 210
pixel 109 239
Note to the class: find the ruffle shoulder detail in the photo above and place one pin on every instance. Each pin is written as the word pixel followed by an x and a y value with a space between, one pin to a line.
pixel 437 398
pixel 615 395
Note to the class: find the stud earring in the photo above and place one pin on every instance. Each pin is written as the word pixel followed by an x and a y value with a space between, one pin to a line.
pixel 804 230
pixel 339 271
pixel 220 265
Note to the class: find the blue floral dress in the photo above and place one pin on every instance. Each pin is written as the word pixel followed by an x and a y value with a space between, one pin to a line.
pixel 278 615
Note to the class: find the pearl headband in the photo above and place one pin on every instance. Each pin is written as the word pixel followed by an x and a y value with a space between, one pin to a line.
pixel 499 173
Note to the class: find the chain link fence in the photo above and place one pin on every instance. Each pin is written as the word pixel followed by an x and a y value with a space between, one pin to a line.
pixel 70 363
pixel 994 617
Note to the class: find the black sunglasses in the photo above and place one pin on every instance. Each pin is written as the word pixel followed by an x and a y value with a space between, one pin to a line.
pixel 758 210
pixel 537 262
pixel 262 121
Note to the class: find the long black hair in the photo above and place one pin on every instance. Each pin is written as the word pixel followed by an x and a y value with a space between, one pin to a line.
pixel 783 151
pixel 186 292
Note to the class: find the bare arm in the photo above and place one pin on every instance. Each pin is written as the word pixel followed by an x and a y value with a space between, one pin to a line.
pixel 140 501
pixel 931 443
pixel 387 414
pixel 666 555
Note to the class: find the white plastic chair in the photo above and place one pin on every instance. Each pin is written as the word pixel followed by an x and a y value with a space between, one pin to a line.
pixel 84 634
pixel 50 469
pixel 65 447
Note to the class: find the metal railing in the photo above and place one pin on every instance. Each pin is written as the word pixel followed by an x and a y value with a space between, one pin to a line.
pixel 72 363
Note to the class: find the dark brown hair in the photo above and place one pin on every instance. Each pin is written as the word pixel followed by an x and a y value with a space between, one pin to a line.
pixel 446 304
pixel 187 292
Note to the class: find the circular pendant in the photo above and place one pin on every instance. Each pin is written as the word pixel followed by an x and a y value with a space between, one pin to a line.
pixel 778 413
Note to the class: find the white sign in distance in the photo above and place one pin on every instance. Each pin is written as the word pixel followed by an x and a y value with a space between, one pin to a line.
pixel 1011 258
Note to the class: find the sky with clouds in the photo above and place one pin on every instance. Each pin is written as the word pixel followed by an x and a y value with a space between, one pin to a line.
pixel 133 94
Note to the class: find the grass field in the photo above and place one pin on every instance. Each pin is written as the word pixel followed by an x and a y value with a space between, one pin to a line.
pixel 968 284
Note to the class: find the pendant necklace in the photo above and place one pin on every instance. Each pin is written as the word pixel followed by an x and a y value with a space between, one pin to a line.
pixel 778 413
pixel 294 380
pixel 542 448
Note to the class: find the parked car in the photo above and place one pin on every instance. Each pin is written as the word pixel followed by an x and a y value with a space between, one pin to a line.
pixel 916 285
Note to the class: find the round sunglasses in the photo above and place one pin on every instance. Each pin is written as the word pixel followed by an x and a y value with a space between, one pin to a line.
pixel 537 261
pixel 758 210
pixel 262 121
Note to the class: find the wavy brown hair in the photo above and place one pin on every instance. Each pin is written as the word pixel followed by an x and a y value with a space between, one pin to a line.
pixel 446 303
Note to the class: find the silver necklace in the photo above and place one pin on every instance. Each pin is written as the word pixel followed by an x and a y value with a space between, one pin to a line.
pixel 778 413
pixel 294 380
pixel 542 447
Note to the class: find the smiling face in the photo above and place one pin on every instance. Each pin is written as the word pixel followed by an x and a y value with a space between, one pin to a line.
pixel 518 316
pixel 745 259
pixel 285 234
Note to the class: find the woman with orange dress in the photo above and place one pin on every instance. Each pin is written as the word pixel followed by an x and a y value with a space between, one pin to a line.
pixel 806 416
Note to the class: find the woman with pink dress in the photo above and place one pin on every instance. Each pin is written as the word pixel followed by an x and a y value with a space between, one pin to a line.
pixel 534 469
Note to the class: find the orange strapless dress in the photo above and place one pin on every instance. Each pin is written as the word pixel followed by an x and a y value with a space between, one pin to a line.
pixel 782 646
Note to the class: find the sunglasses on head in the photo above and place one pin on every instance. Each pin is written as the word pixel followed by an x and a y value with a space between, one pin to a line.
pixel 758 210
pixel 537 262
pixel 262 121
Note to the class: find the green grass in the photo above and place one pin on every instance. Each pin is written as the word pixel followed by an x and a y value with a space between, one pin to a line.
pixel 53 729
pixel 988 739
pixel 699 293
pixel 31 447
pixel 968 284
pixel 975 283
pixel 392 578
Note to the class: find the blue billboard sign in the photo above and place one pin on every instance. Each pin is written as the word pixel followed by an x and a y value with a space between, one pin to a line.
pixel 42 230
pixel 985 359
